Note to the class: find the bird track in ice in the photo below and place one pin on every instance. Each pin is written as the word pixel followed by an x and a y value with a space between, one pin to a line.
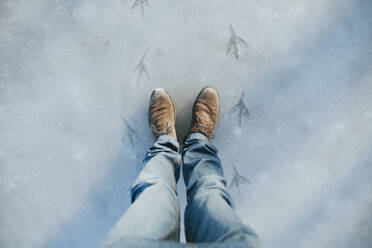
pixel 234 43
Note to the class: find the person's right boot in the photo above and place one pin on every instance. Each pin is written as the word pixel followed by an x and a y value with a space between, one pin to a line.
pixel 205 112
pixel 162 114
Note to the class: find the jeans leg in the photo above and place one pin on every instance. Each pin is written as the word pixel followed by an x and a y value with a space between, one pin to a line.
pixel 210 215
pixel 155 212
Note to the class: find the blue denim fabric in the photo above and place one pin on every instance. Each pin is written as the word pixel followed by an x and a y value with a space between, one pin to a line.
pixel 153 219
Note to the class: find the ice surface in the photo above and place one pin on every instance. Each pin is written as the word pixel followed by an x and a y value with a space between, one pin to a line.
pixel 295 81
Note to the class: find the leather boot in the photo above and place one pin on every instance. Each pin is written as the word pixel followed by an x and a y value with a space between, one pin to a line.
pixel 162 114
pixel 205 112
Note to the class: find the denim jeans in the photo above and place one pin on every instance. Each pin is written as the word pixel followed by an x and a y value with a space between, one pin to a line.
pixel 153 219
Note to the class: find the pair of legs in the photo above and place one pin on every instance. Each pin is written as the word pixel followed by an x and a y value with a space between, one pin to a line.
pixel 153 219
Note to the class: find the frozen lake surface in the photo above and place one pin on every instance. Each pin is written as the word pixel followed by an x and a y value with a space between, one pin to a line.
pixel 295 79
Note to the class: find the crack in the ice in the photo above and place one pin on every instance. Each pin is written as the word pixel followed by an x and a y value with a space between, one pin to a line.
pixel 142 69
pixel 130 133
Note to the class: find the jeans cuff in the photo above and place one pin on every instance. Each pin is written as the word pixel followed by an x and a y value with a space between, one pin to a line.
pixel 198 136
pixel 166 138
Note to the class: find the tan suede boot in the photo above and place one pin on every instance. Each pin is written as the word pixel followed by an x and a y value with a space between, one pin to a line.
pixel 162 114
pixel 205 112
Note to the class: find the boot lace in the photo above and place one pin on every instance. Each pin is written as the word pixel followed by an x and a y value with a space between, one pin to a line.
pixel 204 128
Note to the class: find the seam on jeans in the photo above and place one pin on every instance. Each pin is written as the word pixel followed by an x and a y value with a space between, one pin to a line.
pixel 210 178
pixel 139 187
pixel 245 230
pixel 193 189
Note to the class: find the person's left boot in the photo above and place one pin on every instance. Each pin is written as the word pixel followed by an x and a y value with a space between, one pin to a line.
pixel 205 112
pixel 162 114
